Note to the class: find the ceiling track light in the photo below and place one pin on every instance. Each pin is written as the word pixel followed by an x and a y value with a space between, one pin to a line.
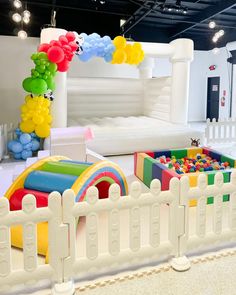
pixel 178 7
pixel 17 4
pixel 212 24
pixel 22 34
pixel 16 17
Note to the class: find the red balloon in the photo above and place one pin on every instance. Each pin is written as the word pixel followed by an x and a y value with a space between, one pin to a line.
pixel 44 47
pixel 66 48
pixel 63 40
pixel 63 66
pixel 55 43
pixel 70 36
pixel 56 54
pixel 73 46
pixel 70 56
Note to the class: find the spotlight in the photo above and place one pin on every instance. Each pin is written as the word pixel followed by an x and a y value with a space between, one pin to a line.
pixel 212 24
pixel 102 2
pixel 214 39
pixel 26 13
pixel 170 9
pixel 217 35
pixel 17 3
pixel 26 19
pixel 16 17
pixel 185 11
pixel 221 33
pixel 22 34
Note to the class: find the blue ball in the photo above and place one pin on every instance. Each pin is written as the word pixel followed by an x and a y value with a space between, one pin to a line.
pixel 17 156
pixel 35 145
pixel 25 138
pixel 17 147
pixel 26 154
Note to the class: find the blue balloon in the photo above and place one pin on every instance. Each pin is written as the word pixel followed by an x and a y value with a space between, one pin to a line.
pixel 28 146
pixel 17 147
pixel 108 57
pixel 25 138
pixel 110 48
pixel 106 40
pixel 17 156
pixel 33 135
pixel 84 35
pixel 26 154
pixel 10 144
pixel 95 36
pixel 85 56
pixel 35 145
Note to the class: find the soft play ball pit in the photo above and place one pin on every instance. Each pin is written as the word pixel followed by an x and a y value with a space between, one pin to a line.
pixel 198 163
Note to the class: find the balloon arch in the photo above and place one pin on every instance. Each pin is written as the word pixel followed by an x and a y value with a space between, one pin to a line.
pixel 54 57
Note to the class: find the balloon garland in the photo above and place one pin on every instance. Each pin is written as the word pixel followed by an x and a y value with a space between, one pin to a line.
pixel 54 57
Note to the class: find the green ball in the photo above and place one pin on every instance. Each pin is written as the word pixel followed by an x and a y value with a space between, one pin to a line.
pixel 52 67
pixel 38 86
pixel 51 83
pixel 27 84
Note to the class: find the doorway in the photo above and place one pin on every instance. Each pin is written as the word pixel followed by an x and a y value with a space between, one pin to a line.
pixel 213 97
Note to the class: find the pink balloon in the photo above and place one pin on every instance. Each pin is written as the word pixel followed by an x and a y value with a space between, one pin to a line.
pixel 55 43
pixel 56 54
pixel 44 47
pixel 63 66
pixel 70 36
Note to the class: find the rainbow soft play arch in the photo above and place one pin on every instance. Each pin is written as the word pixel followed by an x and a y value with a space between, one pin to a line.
pixel 58 174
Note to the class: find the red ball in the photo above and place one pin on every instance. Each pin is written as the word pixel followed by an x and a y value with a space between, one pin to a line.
pixel 44 47
pixel 63 40
pixel 63 66
pixel 70 36
pixel 56 54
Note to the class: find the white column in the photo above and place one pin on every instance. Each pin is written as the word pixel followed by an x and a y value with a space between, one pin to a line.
pixel 145 68
pixel 181 59
pixel 59 105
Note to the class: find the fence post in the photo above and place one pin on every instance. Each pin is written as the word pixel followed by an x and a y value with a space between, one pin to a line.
pixel 58 246
pixel 177 225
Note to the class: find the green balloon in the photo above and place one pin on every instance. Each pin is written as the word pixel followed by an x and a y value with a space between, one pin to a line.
pixel 34 56
pixel 40 69
pixel 38 86
pixel 37 62
pixel 27 84
pixel 42 55
pixel 52 67
pixel 51 83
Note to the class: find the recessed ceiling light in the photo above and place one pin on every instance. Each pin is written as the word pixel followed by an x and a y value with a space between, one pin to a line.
pixel 26 13
pixel 221 33
pixel 16 17
pixel 26 19
pixel 17 3
pixel 22 34
pixel 214 39
pixel 102 1
pixel 212 24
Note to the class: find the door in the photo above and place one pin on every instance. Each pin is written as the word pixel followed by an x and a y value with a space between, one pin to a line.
pixel 213 97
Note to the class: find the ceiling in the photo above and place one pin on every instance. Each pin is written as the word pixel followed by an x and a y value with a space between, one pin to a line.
pixel 144 19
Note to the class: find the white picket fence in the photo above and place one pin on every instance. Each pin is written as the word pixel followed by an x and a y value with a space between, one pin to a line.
pixel 221 131
pixel 62 216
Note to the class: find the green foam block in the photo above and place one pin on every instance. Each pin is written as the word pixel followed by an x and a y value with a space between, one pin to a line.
pixel 64 168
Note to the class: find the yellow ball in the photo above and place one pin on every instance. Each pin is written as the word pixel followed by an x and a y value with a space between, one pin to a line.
pixel 31 104
pixel 42 130
pixel 27 126
pixel 24 108
pixel 37 119
pixel 119 42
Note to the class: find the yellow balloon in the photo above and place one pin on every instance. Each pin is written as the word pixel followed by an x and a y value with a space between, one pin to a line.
pixel 119 56
pixel 27 98
pixel 137 46
pixel 42 130
pixel 119 42
pixel 37 119
pixel 24 108
pixel 46 103
pixel 48 119
pixel 27 126
pixel 31 104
